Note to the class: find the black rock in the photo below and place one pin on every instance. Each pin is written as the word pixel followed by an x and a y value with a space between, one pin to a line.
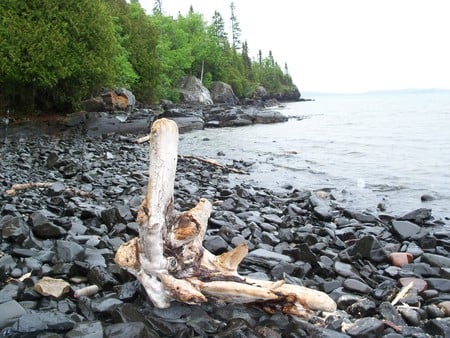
pixel 92 329
pixel 216 244
pixel 129 329
pixel 439 284
pixel 435 260
pixel 10 311
pixel 418 216
pixel 56 189
pixel 38 322
pixel 14 229
pixel 369 247
pixel 410 315
pixel 407 230
pixel 68 251
pixel 266 258
pixel 366 328
pixel 356 285
pixel 101 277
pixel 362 308
pixel 106 304
pixel 438 327
pixel 390 313
pixel 346 300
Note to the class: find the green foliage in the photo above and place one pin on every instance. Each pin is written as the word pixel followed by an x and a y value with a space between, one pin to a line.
pixel 54 53
pixel 138 38
pixel 49 53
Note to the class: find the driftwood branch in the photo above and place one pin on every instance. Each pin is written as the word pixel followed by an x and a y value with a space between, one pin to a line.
pixel 214 163
pixel 35 185
pixel 168 257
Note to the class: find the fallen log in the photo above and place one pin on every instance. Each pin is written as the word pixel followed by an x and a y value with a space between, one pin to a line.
pixel 168 257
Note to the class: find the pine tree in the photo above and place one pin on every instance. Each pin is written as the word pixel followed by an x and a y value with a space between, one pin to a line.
pixel 235 28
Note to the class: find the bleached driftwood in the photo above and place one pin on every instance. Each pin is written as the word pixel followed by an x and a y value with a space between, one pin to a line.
pixel 168 257
pixel 24 186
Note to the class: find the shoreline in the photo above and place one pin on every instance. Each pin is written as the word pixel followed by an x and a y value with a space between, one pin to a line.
pixel 305 237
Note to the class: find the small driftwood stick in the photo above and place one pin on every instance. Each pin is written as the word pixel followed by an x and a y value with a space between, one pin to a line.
pixel 168 257
pixel 24 186
pixel 214 163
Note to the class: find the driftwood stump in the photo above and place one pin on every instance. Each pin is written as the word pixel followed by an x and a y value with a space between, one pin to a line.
pixel 168 257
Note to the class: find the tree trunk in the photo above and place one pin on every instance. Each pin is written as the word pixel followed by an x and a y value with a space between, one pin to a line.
pixel 168 257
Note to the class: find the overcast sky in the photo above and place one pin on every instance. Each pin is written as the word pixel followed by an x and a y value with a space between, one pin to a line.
pixel 345 45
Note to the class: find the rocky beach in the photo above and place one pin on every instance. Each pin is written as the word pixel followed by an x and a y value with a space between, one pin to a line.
pixel 388 274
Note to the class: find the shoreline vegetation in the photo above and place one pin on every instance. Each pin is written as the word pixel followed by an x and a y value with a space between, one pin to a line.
pixel 56 55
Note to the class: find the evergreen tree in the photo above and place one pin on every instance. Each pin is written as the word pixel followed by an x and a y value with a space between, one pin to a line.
pixel 235 28
pixel 49 56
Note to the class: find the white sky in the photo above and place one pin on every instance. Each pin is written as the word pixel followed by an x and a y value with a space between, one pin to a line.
pixel 345 45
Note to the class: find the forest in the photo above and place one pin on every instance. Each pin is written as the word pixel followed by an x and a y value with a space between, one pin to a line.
pixel 54 54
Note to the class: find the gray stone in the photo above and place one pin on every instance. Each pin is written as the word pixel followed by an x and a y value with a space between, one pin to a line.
pixel 407 230
pixel 193 91
pixel 223 93
pixel 418 216
pixel 356 285
pixel 10 311
pixel 68 251
pixel 366 328
pixel 390 313
pixel 435 260
pixel 266 258
pixel 369 247
pixel 216 244
pixel 14 229
pixel 86 330
pixel 440 284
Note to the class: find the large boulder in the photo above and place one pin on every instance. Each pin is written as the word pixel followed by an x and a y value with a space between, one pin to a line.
pixel 110 100
pixel 260 92
pixel 193 91
pixel 222 92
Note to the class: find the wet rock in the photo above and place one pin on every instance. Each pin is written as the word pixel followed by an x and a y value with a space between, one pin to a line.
pixel 346 270
pixel 356 285
pixel 427 198
pixel 129 329
pixel 68 251
pixel 435 260
pixel 438 327
pixel 86 330
pixel 101 277
pixel 418 216
pixel 56 189
pixel 440 284
pixel 366 327
pixel 369 247
pixel 407 230
pixel 346 300
pixel 216 244
pixel 10 311
pixel 107 304
pixel 266 258
pixel 37 322
pixel 362 308
pixel 9 292
pixel 14 229
pixel 390 313
pixel 361 217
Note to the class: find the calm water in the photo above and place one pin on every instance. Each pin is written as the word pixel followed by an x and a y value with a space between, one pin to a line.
pixel 367 148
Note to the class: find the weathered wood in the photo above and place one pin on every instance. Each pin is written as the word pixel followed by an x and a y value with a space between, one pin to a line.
pixel 36 185
pixel 168 257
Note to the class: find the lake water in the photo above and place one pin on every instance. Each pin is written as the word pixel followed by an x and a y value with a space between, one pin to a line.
pixel 366 148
